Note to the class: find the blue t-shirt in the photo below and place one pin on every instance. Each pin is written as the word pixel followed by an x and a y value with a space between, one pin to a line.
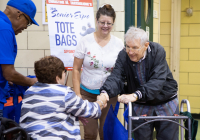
pixel 8 47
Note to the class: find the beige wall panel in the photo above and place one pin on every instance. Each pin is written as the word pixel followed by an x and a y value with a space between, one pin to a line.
pixel 3 4
pixel 165 16
pixel 194 29
pixel 165 5
pixel 194 78
pixel 156 1
pixel 189 66
pixel 26 58
pixel 194 102
pixel 118 6
pixel 195 110
pixel 189 90
pixel 181 98
pixel 184 4
pixel 82 131
pixel 120 116
pixel 119 24
pixel 190 42
pixel 192 19
pixel 194 54
pixel 101 2
pixel 94 4
pixel 167 50
pixel 46 27
pixel 121 106
pixel 156 7
pixel 69 81
pixel 184 54
pixel 165 40
pixel 155 26
pixel 38 40
pixel 155 38
pixel 195 4
pixel 183 78
pixel 119 35
pixel 38 4
pixel 113 28
pixel 184 107
pixel 33 27
pixel 135 20
pixel 22 40
pixel 31 70
pixel 47 52
pixel 112 32
pixel 184 29
pixel 168 61
pixel 23 71
pixel 165 28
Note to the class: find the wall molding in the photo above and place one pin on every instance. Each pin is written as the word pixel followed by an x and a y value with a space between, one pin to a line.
pixel 175 38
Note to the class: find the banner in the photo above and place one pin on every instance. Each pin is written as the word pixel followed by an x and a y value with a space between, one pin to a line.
pixel 68 21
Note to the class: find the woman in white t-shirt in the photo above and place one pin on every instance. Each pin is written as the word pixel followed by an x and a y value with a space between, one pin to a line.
pixel 97 52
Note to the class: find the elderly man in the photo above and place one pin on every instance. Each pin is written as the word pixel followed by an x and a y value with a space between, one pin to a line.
pixel 149 83
pixel 18 15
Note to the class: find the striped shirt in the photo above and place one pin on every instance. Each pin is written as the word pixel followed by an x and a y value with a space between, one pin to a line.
pixel 50 111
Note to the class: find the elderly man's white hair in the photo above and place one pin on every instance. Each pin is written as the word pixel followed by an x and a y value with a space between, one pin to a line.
pixel 136 33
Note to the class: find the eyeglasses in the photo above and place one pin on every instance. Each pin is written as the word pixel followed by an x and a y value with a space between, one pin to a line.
pixel 104 23
pixel 29 22
pixel 133 49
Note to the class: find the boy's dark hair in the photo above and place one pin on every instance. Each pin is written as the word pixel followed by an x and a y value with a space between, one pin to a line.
pixel 47 68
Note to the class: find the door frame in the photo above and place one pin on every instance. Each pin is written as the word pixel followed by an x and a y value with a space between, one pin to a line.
pixel 175 38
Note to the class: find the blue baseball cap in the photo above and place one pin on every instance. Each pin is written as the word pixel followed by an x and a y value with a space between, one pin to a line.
pixel 25 6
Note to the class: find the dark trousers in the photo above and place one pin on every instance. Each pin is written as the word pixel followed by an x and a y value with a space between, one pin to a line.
pixel 164 130
pixel 92 128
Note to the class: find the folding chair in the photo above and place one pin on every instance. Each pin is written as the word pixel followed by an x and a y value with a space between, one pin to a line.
pixel 10 130
pixel 160 118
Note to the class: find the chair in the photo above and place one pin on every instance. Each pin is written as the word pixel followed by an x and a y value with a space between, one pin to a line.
pixel 10 130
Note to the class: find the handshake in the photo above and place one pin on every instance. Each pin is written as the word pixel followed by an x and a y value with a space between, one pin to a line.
pixel 103 98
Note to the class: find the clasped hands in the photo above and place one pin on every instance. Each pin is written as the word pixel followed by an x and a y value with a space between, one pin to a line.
pixel 125 98
pixel 103 98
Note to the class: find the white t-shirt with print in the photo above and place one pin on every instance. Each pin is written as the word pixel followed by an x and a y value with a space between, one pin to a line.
pixel 98 61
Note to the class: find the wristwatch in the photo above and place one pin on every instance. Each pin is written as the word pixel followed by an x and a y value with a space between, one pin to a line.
pixel 135 95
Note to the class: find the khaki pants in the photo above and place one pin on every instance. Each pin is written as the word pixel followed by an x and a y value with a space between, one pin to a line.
pixel 91 129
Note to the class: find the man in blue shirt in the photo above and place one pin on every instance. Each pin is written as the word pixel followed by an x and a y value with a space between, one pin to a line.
pixel 18 15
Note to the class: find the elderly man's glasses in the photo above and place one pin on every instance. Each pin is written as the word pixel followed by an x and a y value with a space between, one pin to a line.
pixel 29 22
pixel 133 49
pixel 104 23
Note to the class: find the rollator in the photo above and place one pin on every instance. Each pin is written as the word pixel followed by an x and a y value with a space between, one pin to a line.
pixel 160 118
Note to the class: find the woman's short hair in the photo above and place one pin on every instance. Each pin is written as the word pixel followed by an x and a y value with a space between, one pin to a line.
pixel 136 33
pixel 107 10
pixel 47 68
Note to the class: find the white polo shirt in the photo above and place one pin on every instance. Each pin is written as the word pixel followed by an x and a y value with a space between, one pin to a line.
pixel 98 61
